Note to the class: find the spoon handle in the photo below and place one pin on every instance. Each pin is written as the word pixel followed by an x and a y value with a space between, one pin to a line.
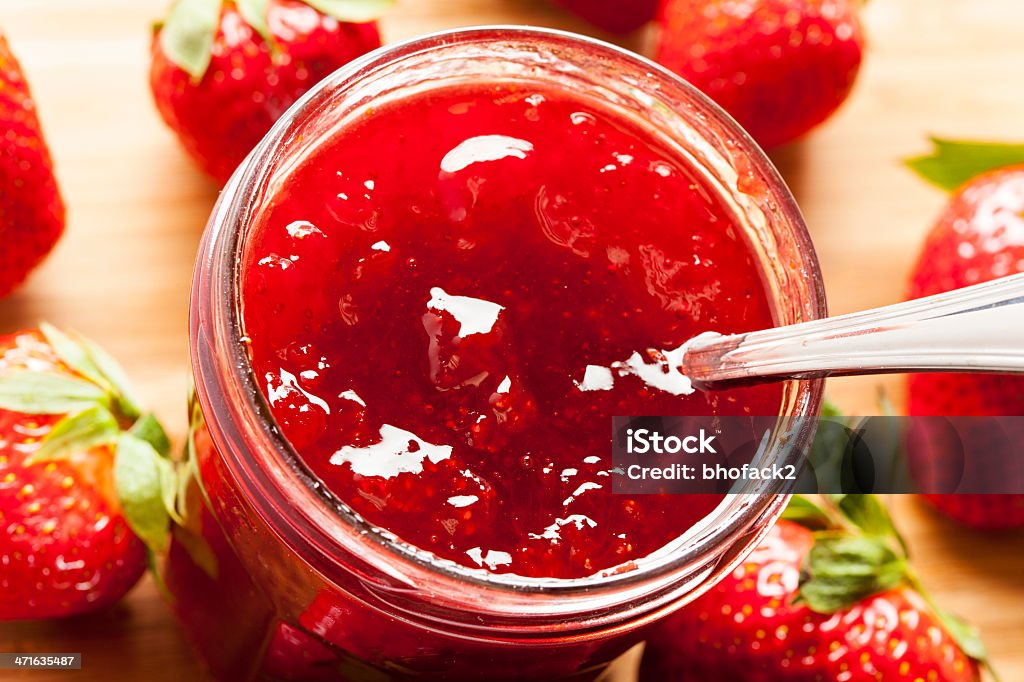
pixel 975 329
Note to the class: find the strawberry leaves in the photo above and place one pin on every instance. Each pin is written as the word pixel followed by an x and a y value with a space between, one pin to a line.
pixel 113 374
pixel 95 364
pixel 954 162
pixel 356 11
pixel 255 14
pixel 79 432
pixel 100 411
pixel 858 552
pixel 967 637
pixel 867 513
pixel 100 382
pixel 190 30
pixel 47 393
pixel 147 428
pixel 841 570
pixel 141 477
pixel 188 33
pixel 806 512
pixel 74 354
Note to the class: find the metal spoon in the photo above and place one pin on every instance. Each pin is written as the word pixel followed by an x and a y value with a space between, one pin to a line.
pixel 974 329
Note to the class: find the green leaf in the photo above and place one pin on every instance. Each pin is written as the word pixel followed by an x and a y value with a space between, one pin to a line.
pixel 48 393
pixel 255 14
pixel 114 375
pixel 967 637
pixel 830 445
pixel 954 162
pixel 868 514
pixel 828 449
pixel 95 364
pixel 140 486
pixel 805 511
pixel 965 634
pixel 74 355
pixel 190 463
pixel 188 34
pixel 829 410
pixel 841 570
pixel 357 11
pixel 169 485
pixel 158 577
pixel 149 429
pixel 189 471
pixel 198 550
pixel 78 433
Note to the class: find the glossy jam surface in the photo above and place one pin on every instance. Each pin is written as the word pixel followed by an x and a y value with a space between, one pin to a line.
pixel 447 303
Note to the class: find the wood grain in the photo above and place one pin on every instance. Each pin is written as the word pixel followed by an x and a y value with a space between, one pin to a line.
pixel 137 208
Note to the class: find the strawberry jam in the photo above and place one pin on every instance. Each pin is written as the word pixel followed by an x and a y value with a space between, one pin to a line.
pixel 447 302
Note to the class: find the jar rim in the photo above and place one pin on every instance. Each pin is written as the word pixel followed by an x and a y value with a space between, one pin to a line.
pixel 216 320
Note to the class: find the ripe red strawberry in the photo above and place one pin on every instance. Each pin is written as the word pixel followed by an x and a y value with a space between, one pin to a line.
pixel 77 492
pixel 223 71
pixel 613 16
pixel 780 67
pixel 978 237
pixel 811 606
pixel 31 210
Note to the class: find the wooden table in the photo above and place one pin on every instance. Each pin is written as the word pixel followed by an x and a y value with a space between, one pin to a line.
pixel 137 207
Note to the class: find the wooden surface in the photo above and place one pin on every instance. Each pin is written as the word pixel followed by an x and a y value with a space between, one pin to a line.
pixel 137 207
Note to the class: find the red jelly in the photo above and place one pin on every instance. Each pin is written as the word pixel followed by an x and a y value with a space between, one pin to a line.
pixel 443 305
pixel 416 309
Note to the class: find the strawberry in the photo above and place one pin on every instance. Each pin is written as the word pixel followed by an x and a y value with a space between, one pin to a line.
pixel 613 16
pixel 223 71
pixel 978 237
pixel 31 210
pixel 837 604
pixel 86 489
pixel 780 67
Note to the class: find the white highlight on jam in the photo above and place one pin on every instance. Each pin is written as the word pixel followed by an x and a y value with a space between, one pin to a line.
pixel 484 148
pixel 492 559
pixel 474 315
pixel 554 531
pixel 398 452
pixel 589 485
pixel 660 371
pixel 596 378
pixel 352 396
pixel 300 229
pixel 288 380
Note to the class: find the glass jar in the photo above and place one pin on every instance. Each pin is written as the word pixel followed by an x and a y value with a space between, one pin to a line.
pixel 274 578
